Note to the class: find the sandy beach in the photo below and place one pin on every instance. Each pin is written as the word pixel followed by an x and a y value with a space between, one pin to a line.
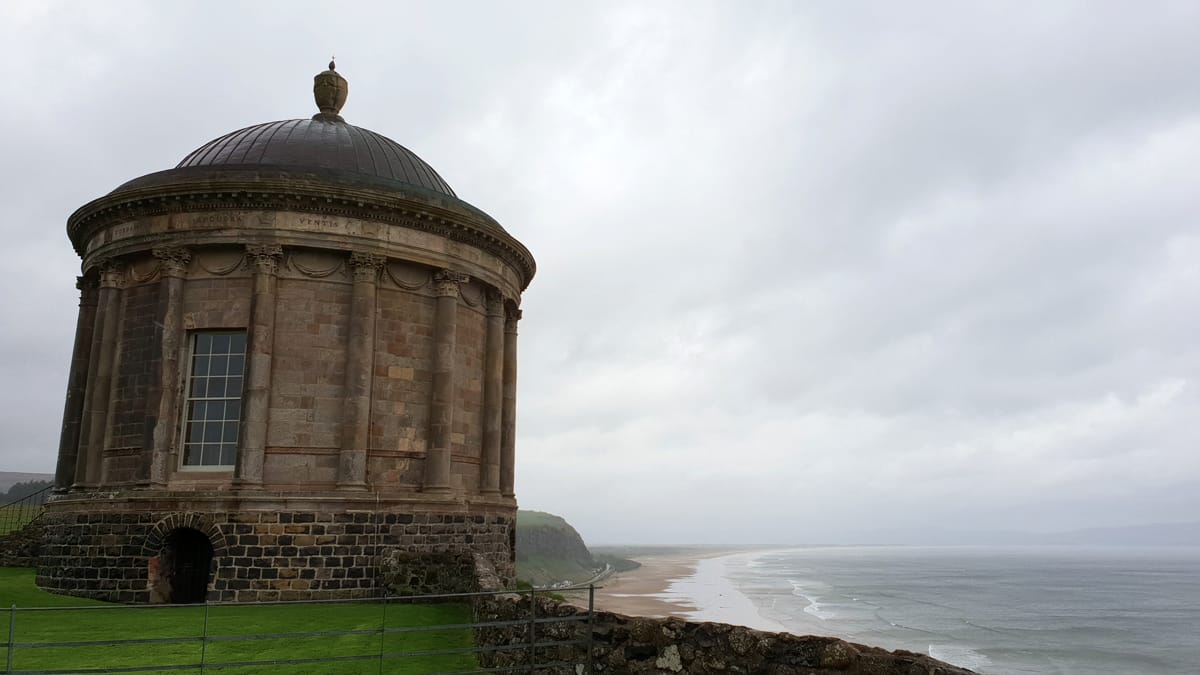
pixel 647 590
pixel 685 582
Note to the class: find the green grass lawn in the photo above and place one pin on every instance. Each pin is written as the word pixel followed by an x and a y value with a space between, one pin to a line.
pixel 227 628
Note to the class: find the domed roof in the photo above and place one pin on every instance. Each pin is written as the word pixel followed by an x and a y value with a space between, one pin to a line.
pixel 324 142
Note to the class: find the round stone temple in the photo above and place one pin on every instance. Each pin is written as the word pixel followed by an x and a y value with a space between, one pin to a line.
pixel 295 351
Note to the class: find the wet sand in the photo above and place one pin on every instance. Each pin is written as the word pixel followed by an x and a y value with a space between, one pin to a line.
pixel 644 591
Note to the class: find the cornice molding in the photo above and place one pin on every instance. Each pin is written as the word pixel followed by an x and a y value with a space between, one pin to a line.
pixel 456 222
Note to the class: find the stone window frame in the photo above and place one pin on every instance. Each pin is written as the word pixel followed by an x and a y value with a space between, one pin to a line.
pixel 230 425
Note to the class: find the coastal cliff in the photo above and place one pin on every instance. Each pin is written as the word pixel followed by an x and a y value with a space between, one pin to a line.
pixel 550 552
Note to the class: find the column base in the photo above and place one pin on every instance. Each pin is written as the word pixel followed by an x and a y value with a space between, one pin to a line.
pixel 244 484
pixel 435 489
pixel 354 487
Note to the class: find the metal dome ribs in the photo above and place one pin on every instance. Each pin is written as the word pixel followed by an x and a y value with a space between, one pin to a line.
pixel 318 144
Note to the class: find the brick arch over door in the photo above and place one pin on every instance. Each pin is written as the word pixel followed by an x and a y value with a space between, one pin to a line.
pixel 196 521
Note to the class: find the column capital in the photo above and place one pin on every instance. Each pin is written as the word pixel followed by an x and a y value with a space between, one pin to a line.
pixel 112 273
pixel 512 314
pixel 264 257
pixel 446 282
pixel 493 302
pixel 87 291
pixel 366 266
pixel 172 260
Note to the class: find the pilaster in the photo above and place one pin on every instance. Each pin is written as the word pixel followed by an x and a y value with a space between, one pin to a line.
pixel 162 413
pixel 360 367
pixel 73 408
pixel 441 410
pixel 493 380
pixel 260 344
pixel 508 416
pixel 100 373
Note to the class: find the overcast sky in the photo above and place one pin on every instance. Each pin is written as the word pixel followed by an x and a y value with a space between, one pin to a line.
pixel 804 269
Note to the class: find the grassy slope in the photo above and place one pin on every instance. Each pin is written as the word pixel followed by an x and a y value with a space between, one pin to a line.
pixel 547 552
pixel 116 622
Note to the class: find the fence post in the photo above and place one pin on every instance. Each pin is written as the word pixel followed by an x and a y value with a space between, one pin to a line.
pixel 590 625
pixel 204 637
pixel 12 629
pixel 382 629
pixel 532 626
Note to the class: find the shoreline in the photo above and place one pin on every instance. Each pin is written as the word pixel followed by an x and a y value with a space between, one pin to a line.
pixel 688 583
pixel 646 591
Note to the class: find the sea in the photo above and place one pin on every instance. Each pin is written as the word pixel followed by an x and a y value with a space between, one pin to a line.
pixel 997 610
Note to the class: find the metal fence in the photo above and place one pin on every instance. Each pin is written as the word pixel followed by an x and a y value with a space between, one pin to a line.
pixel 19 512
pixel 384 635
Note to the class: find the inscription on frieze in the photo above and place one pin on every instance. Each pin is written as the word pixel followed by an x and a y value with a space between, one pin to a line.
pixel 217 219
pixel 317 222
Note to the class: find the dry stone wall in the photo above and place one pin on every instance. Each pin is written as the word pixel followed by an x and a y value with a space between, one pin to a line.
pixel 21 548
pixel 623 644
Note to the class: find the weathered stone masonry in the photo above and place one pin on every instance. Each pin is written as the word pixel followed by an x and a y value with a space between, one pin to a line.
pixel 278 555
pixel 378 316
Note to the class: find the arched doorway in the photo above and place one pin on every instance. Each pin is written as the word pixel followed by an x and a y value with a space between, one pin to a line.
pixel 186 561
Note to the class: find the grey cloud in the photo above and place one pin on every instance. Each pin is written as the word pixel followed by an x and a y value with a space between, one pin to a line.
pixel 889 266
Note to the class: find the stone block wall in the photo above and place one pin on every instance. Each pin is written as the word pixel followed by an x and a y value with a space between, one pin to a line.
pixel 308 373
pixel 257 556
pixel 136 361
pixel 400 389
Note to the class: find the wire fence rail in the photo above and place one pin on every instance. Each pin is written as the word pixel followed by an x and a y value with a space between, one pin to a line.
pixel 20 512
pixel 389 634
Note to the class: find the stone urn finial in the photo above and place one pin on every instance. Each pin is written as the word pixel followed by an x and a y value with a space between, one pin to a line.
pixel 330 90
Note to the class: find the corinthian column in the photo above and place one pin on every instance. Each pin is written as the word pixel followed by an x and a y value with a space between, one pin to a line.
pixel 360 368
pixel 508 416
pixel 493 377
pixel 100 370
pixel 161 413
pixel 73 410
pixel 441 409
pixel 260 344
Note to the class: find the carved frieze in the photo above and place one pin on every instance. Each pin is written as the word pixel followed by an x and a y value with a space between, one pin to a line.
pixel 472 294
pixel 407 276
pixel 220 261
pixel 316 264
pixel 266 195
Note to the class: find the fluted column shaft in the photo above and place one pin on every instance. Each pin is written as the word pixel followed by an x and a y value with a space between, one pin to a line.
pixel 260 345
pixel 493 380
pixel 161 413
pixel 73 410
pixel 360 368
pixel 100 374
pixel 441 409
pixel 508 415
